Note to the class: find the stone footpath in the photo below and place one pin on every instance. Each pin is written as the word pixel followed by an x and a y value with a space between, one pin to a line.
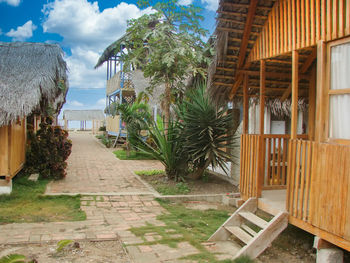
pixel 114 200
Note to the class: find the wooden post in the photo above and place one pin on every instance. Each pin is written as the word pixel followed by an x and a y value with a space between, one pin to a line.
pixel 321 91
pixel 65 124
pixel 295 78
pixel 262 95
pixel 245 104
pixel 312 104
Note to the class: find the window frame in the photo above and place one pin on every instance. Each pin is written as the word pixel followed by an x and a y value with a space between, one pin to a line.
pixel 329 92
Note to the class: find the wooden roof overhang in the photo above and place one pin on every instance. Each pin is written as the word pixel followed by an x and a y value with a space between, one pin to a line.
pixel 240 28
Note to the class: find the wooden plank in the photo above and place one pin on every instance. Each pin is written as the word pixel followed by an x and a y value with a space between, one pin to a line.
pixel 291 175
pixel 318 20
pixel 320 90
pixel 284 159
pixel 247 31
pixel 298 29
pixel 303 26
pixel 297 179
pixel 341 18
pixel 335 19
pixel 307 182
pixel 279 166
pixel 268 176
pixel 290 27
pixel 239 233
pixel 294 107
pixel 4 154
pixel 245 104
pixel 285 26
pixel 262 95
pixel 302 180
pixel 312 23
pixel 307 23
pixel 329 20
pixel 294 32
pixel 248 229
pixel 254 219
pixel 323 26
pixel 347 15
pixel 273 165
pixel 241 163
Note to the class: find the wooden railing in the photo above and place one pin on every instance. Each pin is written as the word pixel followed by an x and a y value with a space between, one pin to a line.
pixel 318 194
pixel 263 163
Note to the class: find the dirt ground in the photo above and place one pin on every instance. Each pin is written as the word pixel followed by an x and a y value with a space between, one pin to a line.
pixel 82 252
pixel 211 184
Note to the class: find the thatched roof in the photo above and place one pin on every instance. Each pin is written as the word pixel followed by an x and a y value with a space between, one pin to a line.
pixel 111 51
pixel 231 59
pixel 83 115
pixel 33 76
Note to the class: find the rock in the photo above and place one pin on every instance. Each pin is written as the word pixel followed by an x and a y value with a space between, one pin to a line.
pixel 33 177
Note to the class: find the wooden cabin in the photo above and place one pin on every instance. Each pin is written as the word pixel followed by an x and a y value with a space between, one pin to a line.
pixel 278 51
pixel 33 78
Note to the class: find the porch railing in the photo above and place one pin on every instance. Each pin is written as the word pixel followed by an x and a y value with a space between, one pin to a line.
pixel 264 160
pixel 318 193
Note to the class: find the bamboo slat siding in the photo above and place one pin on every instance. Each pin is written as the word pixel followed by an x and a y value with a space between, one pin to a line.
pixel 12 148
pixel 296 24
pixel 112 123
pixel 318 192
pixel 249 170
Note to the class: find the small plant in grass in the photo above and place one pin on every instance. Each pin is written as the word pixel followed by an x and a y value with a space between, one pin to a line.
pixel 104 140
pixel 62 244
pixel 48 151
pixel 133 155
pixel 150 172
pixel 16 258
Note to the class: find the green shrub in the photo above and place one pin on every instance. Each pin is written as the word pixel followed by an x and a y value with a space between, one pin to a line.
pixel 102 128
pixel 48 150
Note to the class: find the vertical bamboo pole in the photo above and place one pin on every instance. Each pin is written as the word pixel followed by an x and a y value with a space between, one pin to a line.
pixel 295 78
pixel 262 95
pixel 245 104
pixel 312 104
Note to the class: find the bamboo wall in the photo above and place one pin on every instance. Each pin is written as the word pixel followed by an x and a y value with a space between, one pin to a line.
pixel 296 24
pixel 318 191
pixel 113 123
pixel 12 148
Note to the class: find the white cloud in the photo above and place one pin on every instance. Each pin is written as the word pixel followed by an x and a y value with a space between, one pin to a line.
pixel 87 31
pixel 101 103
pixel 22 32
pixel 185 2
pixel 11 2
pixel 211 4
pixel 74 103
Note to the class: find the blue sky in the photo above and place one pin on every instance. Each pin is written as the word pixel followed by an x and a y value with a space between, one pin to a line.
pixel 83 29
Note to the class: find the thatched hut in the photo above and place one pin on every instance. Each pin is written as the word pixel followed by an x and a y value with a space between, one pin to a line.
pixel 33 81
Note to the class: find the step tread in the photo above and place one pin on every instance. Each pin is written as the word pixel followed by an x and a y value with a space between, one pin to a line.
pixel 239 233
pixel 254 219
pixel 249 230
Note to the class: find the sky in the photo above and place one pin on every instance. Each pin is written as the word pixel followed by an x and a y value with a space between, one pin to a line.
pixel 83 29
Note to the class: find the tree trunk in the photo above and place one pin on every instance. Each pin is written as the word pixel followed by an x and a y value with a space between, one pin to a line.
pixel 167 100
pixel 197 174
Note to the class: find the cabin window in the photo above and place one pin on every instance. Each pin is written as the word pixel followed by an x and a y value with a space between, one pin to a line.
pixel 339 90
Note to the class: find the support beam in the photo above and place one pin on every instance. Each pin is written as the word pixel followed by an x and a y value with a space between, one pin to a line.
pixel 247 30
pixel 295 80
pixel 312 105
pixel 262 96
pixel 303 69
pixel 321 91
pixel 245 104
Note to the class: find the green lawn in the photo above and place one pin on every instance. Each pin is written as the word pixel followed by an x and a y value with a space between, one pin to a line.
pixel 193 226
pixel 27 204
pixel 134 155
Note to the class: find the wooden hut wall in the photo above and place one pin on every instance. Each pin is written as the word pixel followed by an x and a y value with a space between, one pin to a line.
pixel 12 148
pixel 296 24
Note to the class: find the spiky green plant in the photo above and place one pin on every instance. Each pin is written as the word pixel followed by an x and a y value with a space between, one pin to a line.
pixel 165 146
pixel 205 131
pixel 13 258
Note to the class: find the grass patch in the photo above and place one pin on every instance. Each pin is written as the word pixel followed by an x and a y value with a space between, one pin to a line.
pixel 178 189
pixel 185 225
pixel 150 172
pixel 27 204
pixel 134 155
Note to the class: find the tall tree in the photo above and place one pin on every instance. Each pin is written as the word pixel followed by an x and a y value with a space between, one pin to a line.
pixel 167 46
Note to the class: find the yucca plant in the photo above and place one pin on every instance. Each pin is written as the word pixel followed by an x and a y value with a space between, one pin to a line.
pixel 165 146
pixel 206 131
